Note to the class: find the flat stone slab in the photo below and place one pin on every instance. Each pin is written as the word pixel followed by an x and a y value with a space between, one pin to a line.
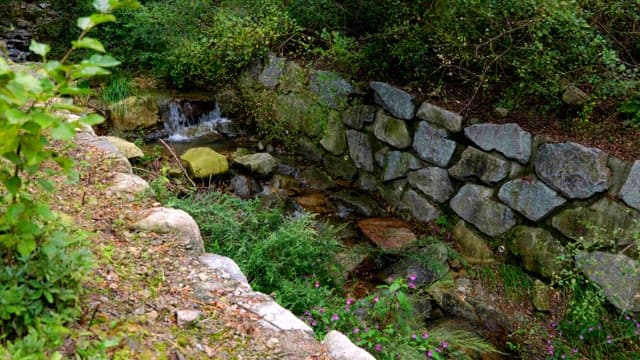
pixel 356 202
pixel 488 168
pixel 397 102
pixel 433 182
pixel 389 234
pixel 224 264
pixel 275 316
pixel 439 116
pixel 391 130
pixel 617 275
pixel 419 207
pixel 508 139
pixel 360 150
pixel 630 192
pixel 260 163
pixel 576 171
pixel 530 197
pixel 341 348
pixel 432 145
pixel 473 203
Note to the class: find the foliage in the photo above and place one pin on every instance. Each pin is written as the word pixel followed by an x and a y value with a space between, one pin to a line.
pixel 118 88
pixel 42 262
pixel 278 253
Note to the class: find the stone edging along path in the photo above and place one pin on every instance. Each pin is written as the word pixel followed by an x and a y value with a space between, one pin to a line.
pixel 215 279
pixel 502 183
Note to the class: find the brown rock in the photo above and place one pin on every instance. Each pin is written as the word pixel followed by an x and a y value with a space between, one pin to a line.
pixel 388 234
pixel 316 203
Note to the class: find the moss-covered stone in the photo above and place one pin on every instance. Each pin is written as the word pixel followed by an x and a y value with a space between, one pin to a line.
pixel 204 162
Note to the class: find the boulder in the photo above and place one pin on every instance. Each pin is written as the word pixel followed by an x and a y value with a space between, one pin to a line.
pixel 391 130
pixel 574 96
pixel 349 201
pixel 360 150
pixel 617 275
pixel 293 78
pixel 134 113
pixel 241 186
pixel 473 248
pixel 315 179
pixel 473 203
pixel 123 183
pixel 619 171
pixel 167 220
pixel 118 162
pixel 334 139
pixel 260 163
pixel 332 90
pixel 419 207
pixel 432 145
pixel 530 197
pixel 541 296
pixel 341 348
pixel 127 148
pixel 274 316
pixel 630 192
pixel 439 116
pixel 356 116
pixel 397 102
pixel 508 139
pixel 392 191
pixel 537 250
pixel 396 164
pixel 272 72
pixel 488 168
pixel 433 182
pixel 576 171
pixel 427 267
pixel 389 234
pixel 224 264
pixel 367 182
pixel 341 166
pixel 204 162
pixel 606 222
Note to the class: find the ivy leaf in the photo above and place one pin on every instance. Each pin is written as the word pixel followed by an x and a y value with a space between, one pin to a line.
pixel 88 43
pixel 39 48
pixel 26 245
pixel 92 119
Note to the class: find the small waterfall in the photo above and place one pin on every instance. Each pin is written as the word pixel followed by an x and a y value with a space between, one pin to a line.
pixel 187 121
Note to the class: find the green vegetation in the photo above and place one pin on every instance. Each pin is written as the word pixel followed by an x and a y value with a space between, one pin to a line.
pixel 43 260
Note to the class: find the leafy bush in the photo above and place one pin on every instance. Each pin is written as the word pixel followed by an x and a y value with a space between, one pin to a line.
pixel 277 253
pixel 42 262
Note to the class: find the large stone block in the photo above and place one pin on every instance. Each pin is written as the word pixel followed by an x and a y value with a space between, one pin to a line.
pixel 397 102
pixel 360 150
pixel 576 171
pixel 530 197
pixel 473 203
pixel 356 116
pixel 439 116
pixel 419 207
pixel 488 168
pixel 391 130
pixel 630 192
pixel 433 182
pixel 538 251
pixel 508 139
pixel 431 144
pixel 396 164
pixel 334 139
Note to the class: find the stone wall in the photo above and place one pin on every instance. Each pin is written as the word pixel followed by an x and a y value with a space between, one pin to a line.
pixel 506 188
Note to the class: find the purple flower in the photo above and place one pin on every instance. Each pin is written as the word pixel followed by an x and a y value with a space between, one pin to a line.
pixel 317 284
pixel 412 277
pixel 609 339
pixel 412 285
pixel 444 345
pixel 356 330
pixel 378 347
pixel 350 301
pixel 425 335
pixel 314 323
pixel 335 317
pixel 376 299
pixel 429 354
pixel 563 356
pixel 574 350
pixel 590 329
pixel 413 336
pixel 321 310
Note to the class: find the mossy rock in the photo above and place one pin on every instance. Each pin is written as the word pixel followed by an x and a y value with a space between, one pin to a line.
pixel 204 162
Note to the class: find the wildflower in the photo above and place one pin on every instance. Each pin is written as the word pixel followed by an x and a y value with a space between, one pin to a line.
pixel 412 285
pixel 412 277
pixel 553 325
pixel 413 336
pixel 609 339
pixel 378 347
pixel 444 344
pixel 574 350
pixel 317 285
pixel 350 301
pixel 321 310
pixel 314 323
pixel 590 329
pixel 335 317
pixel 429 354
pixel 376 299
pixel 425 335
pixel 356 330
pixel 563 356
pixel 581 337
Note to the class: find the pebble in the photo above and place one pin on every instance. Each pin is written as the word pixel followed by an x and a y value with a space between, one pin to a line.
pixel 186 317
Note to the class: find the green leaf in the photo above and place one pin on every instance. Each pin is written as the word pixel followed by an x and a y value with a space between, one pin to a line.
pixel 74 90
pixel 69 107
pixel 102 60
pixel 92 119
pixel 14 211
pixel 13 184
pixel 39 48
pixel 64 131
pixel 86 23
pixel 44 120
pixel 88 43
pixel 46 185
pixel 88 70
pixel 26 246
pixel 16 117
pixel 394 286
pixel 4 67
pixel 28 82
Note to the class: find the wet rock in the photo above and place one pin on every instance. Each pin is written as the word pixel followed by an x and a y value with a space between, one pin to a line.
pixel 473 248
pixel 261 163
pixel 630 192
pixel 391 130
pixel 340 166
pixel 333 91
pixel 356 116
pixel 334 140
pixel 616 274
pixel 123 183
pixel 508 139
pixel 367 182
pixel 602 223
pixel 541 296
pixel 341 348
pixel 315 203
pixel 187 317
pixel 396 164
pixel 432 145
pixel 167 220
pixel 204 162
pixel 389 234
pixel 530 197
pixel 316 179
pixel 272 72
pixel 224 264
pixel 397 102
pixel 241 186
pixel 134 113
pixel 433 182
pixel 360 150
pixel 439 116
pixel 354 202
pixel 393 191
pixel 127 148
pixel 537 250
pixel 419 207
pixel 473 163
pixel 473 203
pixel 577 172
